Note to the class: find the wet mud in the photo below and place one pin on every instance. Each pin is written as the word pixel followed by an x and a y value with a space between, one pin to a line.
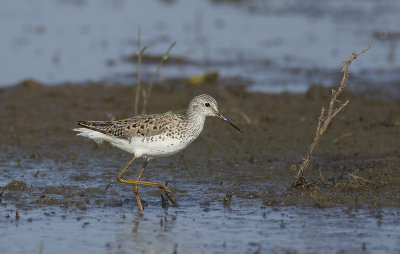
pixel 236 186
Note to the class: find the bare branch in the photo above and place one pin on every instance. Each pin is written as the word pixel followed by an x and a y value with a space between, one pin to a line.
pixel 325 119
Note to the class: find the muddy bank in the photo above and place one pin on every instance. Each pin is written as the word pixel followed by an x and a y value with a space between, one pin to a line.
pixel 44 163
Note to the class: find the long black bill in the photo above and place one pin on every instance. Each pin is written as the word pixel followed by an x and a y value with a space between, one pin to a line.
pixel 231 124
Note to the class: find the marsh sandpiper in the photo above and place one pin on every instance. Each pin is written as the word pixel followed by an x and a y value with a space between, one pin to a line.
pixel 150 136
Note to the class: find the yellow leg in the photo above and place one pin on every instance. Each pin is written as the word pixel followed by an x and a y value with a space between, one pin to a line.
pixel 135 186
pixel 135 190
pixel 136 182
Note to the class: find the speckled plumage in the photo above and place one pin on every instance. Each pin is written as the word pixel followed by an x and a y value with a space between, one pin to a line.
pixel 155 135
pixel 147 125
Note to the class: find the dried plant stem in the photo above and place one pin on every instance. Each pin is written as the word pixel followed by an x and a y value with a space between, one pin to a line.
pixel 146 94
pixel 316 201
pixel 357 178
pixel 139 63
pixel 325 118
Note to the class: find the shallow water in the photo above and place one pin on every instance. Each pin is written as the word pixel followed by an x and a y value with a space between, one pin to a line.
pixel 273 45
pixel 84 218
pixel 194 228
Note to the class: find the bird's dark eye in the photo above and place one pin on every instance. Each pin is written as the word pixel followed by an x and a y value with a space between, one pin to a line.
pixel 207 104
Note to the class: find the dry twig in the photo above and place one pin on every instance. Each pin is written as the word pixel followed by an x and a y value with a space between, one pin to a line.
pixel 139 63
pixel 146 94
pixel 316 201
pixel 326 117
pixel 345 135
pixel 357 179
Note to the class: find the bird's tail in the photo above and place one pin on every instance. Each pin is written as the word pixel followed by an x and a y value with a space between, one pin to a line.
pixel 96 136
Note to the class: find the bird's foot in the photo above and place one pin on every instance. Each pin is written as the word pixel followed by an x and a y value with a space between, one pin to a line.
pixel 169 194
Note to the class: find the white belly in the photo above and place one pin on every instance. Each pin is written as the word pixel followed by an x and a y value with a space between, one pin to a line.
pixel 158 146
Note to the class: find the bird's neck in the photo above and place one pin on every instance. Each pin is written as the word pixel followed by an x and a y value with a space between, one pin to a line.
pixel 195 121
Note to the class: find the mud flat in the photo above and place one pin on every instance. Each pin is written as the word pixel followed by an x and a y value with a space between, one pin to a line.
pixel 59 190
